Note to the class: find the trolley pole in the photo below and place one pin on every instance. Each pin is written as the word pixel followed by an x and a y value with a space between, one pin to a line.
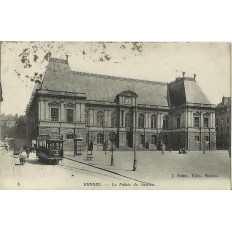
pixel 135 131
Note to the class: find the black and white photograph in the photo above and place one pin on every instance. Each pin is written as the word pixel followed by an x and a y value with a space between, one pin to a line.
pixel 115 115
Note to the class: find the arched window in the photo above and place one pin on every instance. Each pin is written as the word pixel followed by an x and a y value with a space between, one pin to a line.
pixel 153 139
pixel 128 121
pixel 114 119
pixel 100 138
pixel 70 135
pixel 87 118
pixel 153 121
pixel 165 122
pixel 100 119
pixel 141 121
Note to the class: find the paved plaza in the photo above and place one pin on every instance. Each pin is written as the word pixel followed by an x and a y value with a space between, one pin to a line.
pixel 194 170
pixel 155 170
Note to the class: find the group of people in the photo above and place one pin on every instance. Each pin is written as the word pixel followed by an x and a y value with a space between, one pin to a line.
pixel 183 151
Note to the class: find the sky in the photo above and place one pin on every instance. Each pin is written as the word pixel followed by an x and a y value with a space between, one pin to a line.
pixel 24 62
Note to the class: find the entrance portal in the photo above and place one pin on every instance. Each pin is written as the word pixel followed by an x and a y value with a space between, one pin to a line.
pixel 129 139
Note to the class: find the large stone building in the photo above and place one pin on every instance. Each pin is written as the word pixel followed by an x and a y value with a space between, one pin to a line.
pixel 223 121
pixel 71 103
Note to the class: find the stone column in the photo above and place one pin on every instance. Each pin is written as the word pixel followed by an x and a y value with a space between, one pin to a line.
pixel 78 112
pixel 91 117
pixel 39 110
pixel 202 120
pixel 190 119
pixel 82 112
pixel 160 121
pixel 47 109
pixel 42 110
pixel 62 112
pixel 213 120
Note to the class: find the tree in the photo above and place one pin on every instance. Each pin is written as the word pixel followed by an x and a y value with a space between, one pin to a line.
pixel 20 127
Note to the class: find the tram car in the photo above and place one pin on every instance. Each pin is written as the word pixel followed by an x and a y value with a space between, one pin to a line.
pixel 49 148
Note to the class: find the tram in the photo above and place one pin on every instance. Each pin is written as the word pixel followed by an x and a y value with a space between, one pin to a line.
pixel 49 148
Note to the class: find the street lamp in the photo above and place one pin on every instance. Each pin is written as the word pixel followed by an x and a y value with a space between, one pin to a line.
pixel 135 158
pixel 112 137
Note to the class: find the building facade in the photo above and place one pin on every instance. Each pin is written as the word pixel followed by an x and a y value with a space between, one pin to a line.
pixel 177 114
pixel 223 123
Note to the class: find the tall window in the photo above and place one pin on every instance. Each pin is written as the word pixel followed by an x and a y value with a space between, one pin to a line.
pixel 141 139
pixel 227 119
pixel 99 138
pixel 70 136
pixel 197 138
pixel 114 119
pixel 141 121
pixel 128 121
pixel 165 122
pixel 54 114
pixel 206 122
pixel 153 121
pixel 197 122
pixel 217 130
pixel 100 119
pixel 87 123
pixel 217 121
pixel 227 130
pixel 70 114
pixel 222 120
pixel 153 139
pixel 177 123
pixel 221 130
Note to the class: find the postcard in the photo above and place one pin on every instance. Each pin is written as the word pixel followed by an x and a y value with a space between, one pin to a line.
pixel 115 115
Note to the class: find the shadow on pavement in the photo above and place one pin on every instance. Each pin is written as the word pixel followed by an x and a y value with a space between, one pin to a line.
pixel 34 162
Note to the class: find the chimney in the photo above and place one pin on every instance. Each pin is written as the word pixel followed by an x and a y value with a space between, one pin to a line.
pixel 183 73
pixel 194 76
pixel 225 100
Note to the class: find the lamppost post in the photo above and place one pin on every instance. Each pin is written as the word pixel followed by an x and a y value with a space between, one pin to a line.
pixel 112 136
pixel 135 131
pixel 204 143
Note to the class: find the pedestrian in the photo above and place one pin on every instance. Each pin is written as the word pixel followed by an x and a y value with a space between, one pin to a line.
pixel 163 148
pixel 28 152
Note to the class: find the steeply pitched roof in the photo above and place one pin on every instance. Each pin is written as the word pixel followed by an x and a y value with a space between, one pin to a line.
pixel 194 93
pixel 59 77
pixel 186 90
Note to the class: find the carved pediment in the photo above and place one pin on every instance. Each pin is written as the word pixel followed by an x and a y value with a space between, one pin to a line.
pixel 54 103
pixel 128 93
pixel 69 104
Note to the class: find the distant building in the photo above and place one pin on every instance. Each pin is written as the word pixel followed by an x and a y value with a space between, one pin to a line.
pixel 177 114
pixel 7 121
pixel 223 123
